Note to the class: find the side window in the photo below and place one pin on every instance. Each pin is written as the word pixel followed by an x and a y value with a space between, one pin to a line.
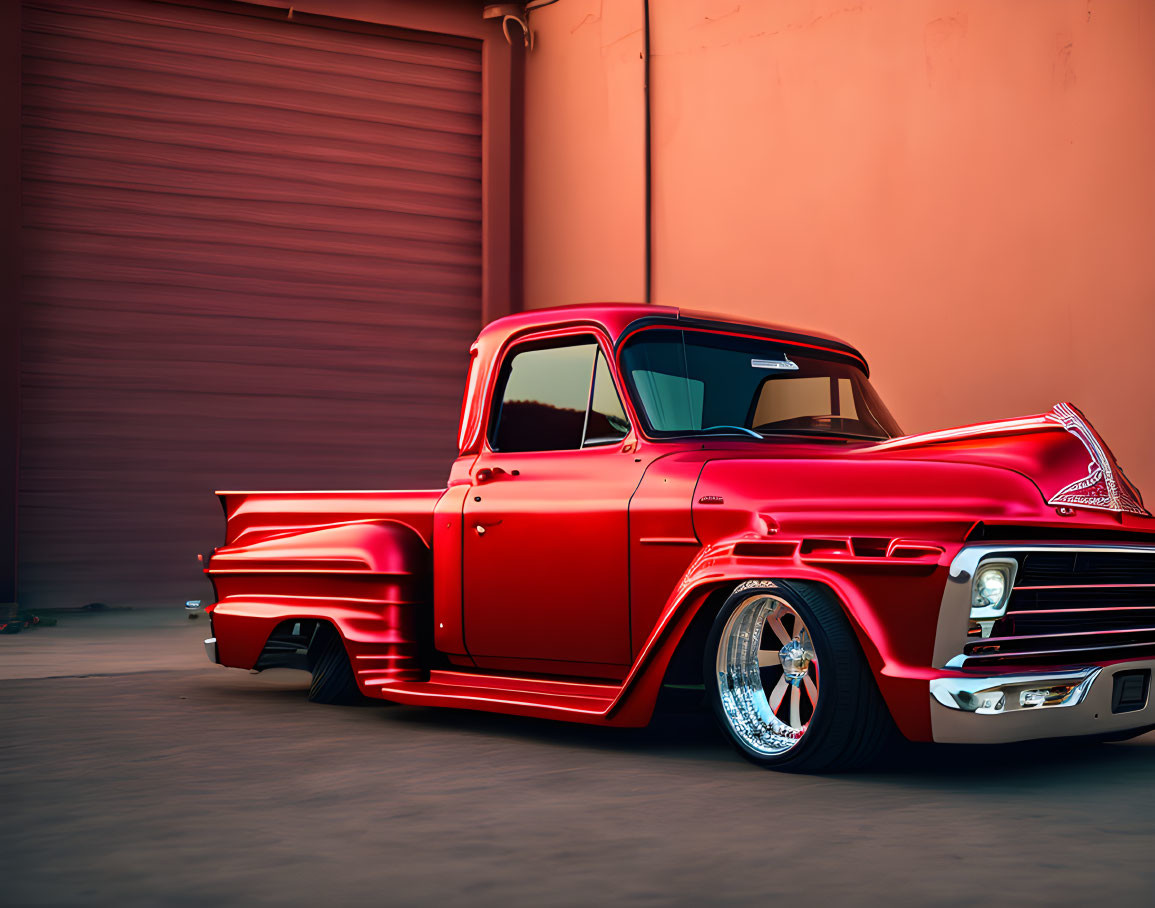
pixel 607 421
pixel 541 398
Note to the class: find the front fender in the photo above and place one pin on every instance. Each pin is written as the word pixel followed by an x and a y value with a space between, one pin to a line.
pixel 891 603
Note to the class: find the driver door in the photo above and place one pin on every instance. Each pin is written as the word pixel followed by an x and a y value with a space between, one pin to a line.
pixel 546 565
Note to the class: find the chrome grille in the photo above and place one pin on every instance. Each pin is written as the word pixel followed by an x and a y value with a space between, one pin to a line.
pixel 1073 606
pixel 1087 568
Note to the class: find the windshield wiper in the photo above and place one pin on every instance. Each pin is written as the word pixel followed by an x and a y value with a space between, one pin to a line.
pixel 721 430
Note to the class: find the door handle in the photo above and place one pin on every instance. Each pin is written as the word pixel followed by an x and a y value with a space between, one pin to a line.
pixel 488 474
pixel 482 525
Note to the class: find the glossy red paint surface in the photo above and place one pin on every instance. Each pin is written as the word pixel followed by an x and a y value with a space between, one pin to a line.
pixel 561 583
pixel 546 557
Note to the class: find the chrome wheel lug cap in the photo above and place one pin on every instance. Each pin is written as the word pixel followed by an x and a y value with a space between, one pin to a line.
pixel 795 661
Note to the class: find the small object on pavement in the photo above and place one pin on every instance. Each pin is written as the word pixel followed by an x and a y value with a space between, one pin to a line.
pixel 192 608
pixel 22 620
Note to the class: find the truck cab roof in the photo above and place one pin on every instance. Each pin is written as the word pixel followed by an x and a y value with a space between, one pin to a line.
pixel 619 320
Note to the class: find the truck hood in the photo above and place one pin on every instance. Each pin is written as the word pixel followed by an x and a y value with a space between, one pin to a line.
pixel 1060 451
pixel 1053 467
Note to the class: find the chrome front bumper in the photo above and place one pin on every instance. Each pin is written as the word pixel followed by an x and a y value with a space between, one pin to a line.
pixel 996 709
pixel 211 649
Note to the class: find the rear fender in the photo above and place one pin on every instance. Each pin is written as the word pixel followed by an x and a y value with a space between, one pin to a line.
pixel 370 580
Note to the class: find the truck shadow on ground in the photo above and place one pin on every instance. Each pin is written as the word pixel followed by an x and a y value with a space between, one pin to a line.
pixel 696 737
pixel 691 735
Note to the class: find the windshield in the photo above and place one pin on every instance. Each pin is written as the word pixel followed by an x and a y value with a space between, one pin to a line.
pixel 689 382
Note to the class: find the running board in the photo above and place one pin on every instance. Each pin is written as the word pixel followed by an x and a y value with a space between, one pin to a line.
pixel 573 701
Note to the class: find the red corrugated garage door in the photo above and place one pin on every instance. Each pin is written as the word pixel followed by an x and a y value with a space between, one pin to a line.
pixel 253 260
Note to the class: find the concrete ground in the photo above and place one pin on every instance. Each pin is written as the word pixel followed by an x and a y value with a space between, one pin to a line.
pixel 136 774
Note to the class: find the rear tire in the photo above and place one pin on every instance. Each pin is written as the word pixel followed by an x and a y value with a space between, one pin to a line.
pixel 333 681
pixel 812 706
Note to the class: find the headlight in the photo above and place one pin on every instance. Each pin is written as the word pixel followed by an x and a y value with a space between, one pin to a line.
pixel 991 588
pixel 990 585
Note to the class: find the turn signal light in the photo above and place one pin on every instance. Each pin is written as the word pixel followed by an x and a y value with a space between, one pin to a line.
pixel 1045 696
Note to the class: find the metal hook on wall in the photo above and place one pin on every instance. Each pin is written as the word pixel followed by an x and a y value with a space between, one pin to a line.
pixel 510 13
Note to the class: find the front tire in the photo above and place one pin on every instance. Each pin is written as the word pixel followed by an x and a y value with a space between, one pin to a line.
pixel 333 681
pixel 789 684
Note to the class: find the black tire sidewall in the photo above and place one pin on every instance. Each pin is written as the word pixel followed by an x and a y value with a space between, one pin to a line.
pixel 332 674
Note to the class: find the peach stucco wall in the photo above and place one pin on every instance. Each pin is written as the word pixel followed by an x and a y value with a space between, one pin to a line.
pixel 965 190
pixel 584 187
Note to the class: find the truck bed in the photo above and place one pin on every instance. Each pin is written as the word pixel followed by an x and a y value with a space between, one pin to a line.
pixel 252 516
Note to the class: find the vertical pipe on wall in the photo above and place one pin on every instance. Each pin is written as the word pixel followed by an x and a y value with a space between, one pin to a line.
pixel 10 300
pixel 517 180
pixel 649 279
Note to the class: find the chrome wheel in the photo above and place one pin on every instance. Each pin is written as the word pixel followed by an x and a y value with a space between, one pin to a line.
pixel 767 674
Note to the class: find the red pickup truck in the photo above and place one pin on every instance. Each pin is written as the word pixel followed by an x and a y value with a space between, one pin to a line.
pixel 647 498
